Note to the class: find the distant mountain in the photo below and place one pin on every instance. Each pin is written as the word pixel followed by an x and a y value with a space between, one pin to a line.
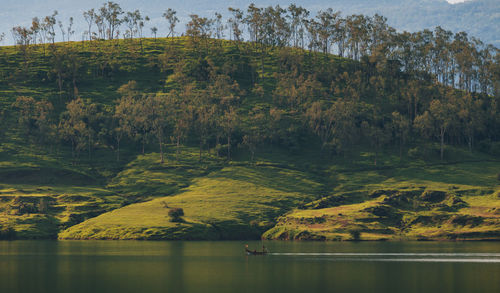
pixel 480 18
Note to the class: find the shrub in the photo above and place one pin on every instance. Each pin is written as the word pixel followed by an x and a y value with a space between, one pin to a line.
pixel 494 148
pixel 175 214
pixel 415 153
pixel 433 196
pixel 355 235
pixel 24 208
pixel 221 149
pixel 43 206
pixel 7 233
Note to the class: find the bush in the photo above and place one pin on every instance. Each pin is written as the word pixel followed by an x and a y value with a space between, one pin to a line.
pixel 7 233
pixel 426 151
pixel 495 148
pixel 221 149
pixel 24 208
pixel 433 196
pixel 415 153
pixel 43 206
pixel 498 176
pixel 355 235
pixel 175 214
pixel 490 147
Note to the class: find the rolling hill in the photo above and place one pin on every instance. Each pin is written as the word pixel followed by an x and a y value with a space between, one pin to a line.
pixel 291 186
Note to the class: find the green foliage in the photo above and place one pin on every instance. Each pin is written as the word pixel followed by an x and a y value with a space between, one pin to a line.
pixel 7 233
pixel 175 214
pixel 355 235
pixel 236 202
pixel 449 202
pixel 231 137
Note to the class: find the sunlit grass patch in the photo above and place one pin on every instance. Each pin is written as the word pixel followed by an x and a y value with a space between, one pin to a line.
pixel 235 202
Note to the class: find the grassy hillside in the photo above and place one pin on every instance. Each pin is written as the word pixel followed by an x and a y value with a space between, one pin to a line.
pixel 280 200
pixel 239 201
pixel 455 201
pixel 292 189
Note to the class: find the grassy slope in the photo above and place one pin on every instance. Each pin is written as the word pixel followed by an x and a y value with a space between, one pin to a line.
pixel 42 195
pixel 239 201
pixel 399 204
pixel 242 200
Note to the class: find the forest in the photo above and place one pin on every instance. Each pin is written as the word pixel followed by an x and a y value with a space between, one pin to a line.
pixel 334 87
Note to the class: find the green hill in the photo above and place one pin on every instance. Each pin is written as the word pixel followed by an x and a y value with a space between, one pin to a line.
pixel 257 141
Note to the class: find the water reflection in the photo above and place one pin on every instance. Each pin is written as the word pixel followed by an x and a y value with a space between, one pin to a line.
pixel 134 266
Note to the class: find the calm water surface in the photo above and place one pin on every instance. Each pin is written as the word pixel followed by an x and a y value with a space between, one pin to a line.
pixel 135 266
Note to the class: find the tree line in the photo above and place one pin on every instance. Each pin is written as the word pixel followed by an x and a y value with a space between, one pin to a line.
pixel 301 113
pixel 398 90
pixel 452 59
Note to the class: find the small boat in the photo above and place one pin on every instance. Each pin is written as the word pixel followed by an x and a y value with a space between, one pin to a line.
pixel 255 252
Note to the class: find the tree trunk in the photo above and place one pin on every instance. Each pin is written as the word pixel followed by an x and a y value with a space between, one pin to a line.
pixel 72 152
pixel 442 142
pixel 161 148
pixel 471 137
pixel 415 106
pixel 217 144
pixel 201 148
pixel 118 151
pixel 75 88
pixel 143 141
pixel 177 148
pixel 409 110
pixel 59 82
pixel 262 60
pixel 229 146
pixel 90 141
pixel 400 148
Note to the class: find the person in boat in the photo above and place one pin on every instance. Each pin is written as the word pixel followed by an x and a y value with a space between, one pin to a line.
pixel 250 251
pixel 264 250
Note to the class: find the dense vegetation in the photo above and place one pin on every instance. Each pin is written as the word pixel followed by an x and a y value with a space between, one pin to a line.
pixel 244 132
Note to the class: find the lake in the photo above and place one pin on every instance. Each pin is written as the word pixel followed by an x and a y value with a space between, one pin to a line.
pixel 140 266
